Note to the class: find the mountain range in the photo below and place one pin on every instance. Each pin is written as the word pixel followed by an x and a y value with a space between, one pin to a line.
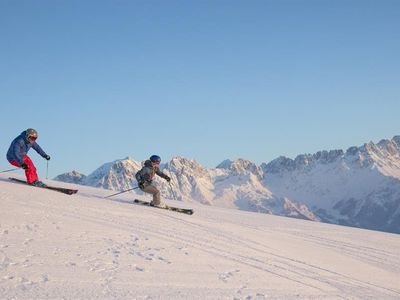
pixel 358 187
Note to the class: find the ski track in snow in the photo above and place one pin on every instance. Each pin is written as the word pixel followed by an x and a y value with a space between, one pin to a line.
pixel 85 246
pixel 293 270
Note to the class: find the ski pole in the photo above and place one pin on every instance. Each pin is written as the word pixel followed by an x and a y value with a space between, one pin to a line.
pixel 122 192
pixel 5 171
pixel 47 170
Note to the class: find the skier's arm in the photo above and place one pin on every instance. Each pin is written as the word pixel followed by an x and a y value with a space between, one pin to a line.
pixel 39 150
pixel 162 175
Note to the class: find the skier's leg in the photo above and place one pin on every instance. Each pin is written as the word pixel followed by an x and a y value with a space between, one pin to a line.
pixel 14 163
pixel 151 189
pixel 30 173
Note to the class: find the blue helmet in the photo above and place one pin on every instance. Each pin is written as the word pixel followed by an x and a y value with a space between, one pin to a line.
pixel 155 158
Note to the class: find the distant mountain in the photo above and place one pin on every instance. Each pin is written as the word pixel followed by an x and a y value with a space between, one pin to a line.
pixel 116 175
pixel 358 187
pixel 233 184
pixel 71 177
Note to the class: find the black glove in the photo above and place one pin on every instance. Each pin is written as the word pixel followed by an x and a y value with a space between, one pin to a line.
pixel 167 178
pixel 47 157
pixel 24 166
pixel 141 185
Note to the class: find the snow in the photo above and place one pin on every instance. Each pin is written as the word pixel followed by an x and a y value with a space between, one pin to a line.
pixel 86 247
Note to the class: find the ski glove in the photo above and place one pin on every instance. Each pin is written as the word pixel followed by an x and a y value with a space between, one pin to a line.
pixel 167 178
pixel 47 157
pixel 141 185
pixel 24 166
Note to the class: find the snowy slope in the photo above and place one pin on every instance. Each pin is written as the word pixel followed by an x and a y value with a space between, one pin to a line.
pixel 53 246
pixel 86 247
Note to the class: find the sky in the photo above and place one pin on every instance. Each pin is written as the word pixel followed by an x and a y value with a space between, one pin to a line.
pixel 206 80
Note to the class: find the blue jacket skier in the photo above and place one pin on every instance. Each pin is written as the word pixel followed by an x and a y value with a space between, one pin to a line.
pixel 17 154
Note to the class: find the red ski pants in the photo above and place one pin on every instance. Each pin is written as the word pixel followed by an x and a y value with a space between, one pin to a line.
pixel 30 173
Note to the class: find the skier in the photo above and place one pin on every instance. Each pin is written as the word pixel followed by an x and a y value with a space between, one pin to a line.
pixel 17 155
pixel 145 178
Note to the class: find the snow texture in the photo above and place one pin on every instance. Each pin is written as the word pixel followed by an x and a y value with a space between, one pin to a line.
pixel 55 246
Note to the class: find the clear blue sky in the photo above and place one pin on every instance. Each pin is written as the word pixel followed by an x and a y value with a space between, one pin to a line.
pixel 207 80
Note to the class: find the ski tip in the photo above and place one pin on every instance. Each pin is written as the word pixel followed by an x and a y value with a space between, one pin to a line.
pixel 15 179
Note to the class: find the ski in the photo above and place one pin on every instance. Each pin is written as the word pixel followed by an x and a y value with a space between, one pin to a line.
pixel 187 211
pixel 53 188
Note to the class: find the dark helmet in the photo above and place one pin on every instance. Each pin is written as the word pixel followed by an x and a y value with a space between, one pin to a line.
pixel 31 134
pixel 155 158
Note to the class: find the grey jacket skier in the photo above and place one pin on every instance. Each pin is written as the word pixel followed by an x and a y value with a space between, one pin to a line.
pixel 145 178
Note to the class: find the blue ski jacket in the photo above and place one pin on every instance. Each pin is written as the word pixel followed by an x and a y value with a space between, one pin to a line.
pixel 20 147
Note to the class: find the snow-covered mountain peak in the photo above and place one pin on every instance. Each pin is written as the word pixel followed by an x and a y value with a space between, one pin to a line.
pixel 240 166
pixel 302 162
pixel 382 149
pixel 129 158
pixel 396 139
pixel 352 151
pixel 181 165
pixel 383 156
pixel 118 174
pixel 278 165
pixel 365 156
pixel 356 187
pixel 226 164
pixel 391 147
pixel 71 177
pixel 326 157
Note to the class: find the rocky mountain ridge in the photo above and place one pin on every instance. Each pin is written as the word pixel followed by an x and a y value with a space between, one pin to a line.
pixel 357 187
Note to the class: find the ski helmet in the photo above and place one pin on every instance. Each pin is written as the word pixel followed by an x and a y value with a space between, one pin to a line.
pixel 31 134
pixel 155 158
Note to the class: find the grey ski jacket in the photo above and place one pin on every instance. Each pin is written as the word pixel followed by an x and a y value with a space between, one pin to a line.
pixel 147 173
